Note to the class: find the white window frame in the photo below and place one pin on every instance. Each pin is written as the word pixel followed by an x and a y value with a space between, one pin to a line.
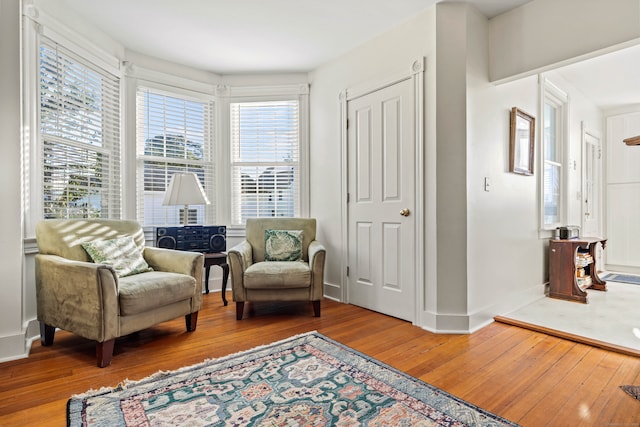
pixel 209 161
pixel 553 95
pixel 36 24
pixel 265 94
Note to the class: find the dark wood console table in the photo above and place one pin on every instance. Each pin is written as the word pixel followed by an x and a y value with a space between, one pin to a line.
pixel 572 268
pixel 220 259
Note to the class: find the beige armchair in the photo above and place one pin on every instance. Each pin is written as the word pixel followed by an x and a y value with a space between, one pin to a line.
pixel 254 279
pixel 92 300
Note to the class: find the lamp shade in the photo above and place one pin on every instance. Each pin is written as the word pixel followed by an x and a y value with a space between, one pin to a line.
pixel 185 189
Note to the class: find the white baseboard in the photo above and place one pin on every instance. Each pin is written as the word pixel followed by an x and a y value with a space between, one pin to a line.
pixel 14 347
pixel 333 292
pixel 472 322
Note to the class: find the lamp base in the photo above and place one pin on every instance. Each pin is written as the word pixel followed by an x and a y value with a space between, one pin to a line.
pixel 190 218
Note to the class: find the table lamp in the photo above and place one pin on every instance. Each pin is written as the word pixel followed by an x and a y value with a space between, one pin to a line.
pixel 185 189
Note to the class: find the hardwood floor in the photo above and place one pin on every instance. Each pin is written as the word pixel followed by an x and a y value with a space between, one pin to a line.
pixel 528 377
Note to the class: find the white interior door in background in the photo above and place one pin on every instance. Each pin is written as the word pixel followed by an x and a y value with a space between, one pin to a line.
pixel 381 193
pixel 591 184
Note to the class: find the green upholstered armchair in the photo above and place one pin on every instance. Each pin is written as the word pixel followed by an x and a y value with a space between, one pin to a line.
pixel 97 301
pixel 255 279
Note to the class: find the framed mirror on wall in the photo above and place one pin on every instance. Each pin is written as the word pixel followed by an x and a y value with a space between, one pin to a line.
pixel 521 142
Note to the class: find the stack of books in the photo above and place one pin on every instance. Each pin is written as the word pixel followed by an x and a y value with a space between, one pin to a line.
pixel 583 259
pixel 583 282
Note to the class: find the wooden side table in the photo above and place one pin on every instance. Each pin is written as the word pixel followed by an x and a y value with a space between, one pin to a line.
pixel 220 259
pixel 564 280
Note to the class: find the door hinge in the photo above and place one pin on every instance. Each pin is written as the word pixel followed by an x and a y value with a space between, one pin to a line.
pixel 348 197
pixel 347 123
pixel 347 271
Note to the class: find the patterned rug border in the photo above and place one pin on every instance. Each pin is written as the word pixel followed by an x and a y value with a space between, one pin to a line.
pixel 404 382
pixel 127 383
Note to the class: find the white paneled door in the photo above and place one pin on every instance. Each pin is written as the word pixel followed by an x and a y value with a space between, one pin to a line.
pixel 381 187
pixel 591 185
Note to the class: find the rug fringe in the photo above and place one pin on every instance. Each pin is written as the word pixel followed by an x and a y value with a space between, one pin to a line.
pixel 126 383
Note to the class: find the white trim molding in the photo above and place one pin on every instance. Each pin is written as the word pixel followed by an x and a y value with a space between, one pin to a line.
pixel 560 99
pixel 414 72
pixel 267 90
pixel 167 80
pixel 55 30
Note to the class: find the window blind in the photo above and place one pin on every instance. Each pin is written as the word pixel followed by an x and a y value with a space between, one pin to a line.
pixel 174 134
pixel 552 166
pixel 265 164
pixel 79 136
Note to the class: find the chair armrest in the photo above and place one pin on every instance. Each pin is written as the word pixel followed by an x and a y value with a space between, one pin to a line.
pixel 183 262
pixel 77 296
pixel 240 258
pixel 315 248
pixel 317 255
pixel 243 253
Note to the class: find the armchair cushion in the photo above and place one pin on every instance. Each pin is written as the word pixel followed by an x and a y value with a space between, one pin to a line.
pixel 283 245
pixel 277 275
pixel 141 292
pixel 122 254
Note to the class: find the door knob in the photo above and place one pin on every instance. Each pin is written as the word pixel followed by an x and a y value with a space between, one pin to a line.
pixel 405 212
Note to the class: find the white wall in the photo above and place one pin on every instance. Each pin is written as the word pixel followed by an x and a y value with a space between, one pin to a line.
pixel 623 194
pixel 506 257
pixel 450 311
pixel 375 61
pixel 12 325
pixel 545 33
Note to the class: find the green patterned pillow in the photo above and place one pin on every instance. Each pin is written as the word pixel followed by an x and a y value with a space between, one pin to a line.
pixel 122 254
pixel 283 245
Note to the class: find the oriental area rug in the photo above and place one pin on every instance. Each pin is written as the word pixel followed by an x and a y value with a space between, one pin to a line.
pixel 305 380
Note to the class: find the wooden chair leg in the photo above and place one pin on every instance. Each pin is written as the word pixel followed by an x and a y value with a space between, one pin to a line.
pixel 104 352
pixel 239 310
pixel 192 321
pixel 316 308
pixel 47 334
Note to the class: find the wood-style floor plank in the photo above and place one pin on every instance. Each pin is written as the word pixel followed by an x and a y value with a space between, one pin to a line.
pixel 525 376
pixel 567 355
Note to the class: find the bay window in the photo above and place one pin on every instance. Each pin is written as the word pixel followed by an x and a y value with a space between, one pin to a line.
pixel 174 134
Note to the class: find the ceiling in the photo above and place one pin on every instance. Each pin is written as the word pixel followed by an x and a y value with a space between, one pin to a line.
pixel 288 36
pixel 253 36
pixel 610 81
